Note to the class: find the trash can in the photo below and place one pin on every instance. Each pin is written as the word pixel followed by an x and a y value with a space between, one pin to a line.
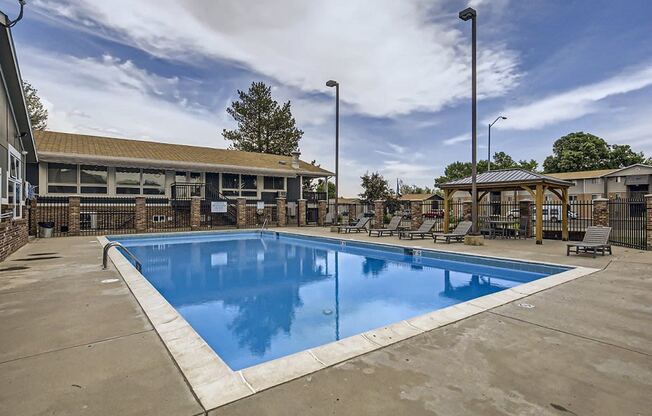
pixel 45 229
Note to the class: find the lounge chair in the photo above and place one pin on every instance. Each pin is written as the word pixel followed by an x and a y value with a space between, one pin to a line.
pixel 391 228
pixel 424 230
pixel 360 226
pixel 357 218
pixel 596 239
pixel 458 233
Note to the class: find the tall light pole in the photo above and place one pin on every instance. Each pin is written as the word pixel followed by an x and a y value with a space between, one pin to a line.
pixel 466 15
pixel 336 84
pixel 489 142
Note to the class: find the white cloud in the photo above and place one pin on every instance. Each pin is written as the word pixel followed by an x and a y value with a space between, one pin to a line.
pixel 390 57
pixel 457 139
pixel 575 103
pixel 108 96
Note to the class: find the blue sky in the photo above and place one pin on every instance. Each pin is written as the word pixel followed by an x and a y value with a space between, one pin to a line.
pixel 166 70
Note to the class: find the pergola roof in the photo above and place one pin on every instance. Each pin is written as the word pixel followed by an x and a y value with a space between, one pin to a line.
pixel 506 179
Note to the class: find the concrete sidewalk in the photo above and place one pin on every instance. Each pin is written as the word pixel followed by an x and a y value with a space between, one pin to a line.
pixel 74 341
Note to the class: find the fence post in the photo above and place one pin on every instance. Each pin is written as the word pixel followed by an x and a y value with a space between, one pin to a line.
pixel 321 212
pixel 417 214
pixel 281 213
pixel 301 220
pixel 74 203
pixel 379 213
pixel 242 212
pixel 648 219
pixel 33 216
pixel 141 214
pixel 195 213
pixel 523 212
pixel 601 212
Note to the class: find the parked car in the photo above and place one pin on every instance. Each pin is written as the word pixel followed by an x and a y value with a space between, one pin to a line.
pixel 552 213
pixel 514 213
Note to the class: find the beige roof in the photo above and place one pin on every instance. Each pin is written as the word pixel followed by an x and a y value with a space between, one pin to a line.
pixel 67 147
pixel 587 174
pixel 415 197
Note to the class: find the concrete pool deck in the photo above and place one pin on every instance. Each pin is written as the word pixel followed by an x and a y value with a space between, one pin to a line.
pixel 74 341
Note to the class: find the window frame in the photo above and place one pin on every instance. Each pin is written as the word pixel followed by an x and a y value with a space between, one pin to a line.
pixel 17 182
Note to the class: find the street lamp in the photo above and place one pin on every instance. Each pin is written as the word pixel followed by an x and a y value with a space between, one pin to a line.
pixel 466 15
pixel 489 142
pixel 331 83
pixel 12 23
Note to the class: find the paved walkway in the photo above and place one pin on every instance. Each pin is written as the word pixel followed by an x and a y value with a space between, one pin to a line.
pixel 74 341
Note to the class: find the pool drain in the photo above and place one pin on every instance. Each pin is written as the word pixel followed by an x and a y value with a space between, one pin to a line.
pixel 525 305
pixel 327 311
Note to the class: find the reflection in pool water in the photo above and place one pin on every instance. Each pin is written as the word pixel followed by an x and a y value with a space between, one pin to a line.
pixel 256 298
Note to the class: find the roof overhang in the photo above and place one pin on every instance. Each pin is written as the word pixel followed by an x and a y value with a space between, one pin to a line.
pixel 508 186
pixel 169 164
pixel 14 86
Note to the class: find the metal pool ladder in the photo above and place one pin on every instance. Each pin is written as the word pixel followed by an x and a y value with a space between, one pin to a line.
pixel 105 255
pixel 263 226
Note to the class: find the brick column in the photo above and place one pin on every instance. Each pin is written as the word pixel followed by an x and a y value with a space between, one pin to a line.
pixel 281 212
pixel 242 212
pixel 466 211
pixel 301 220
pixel 648 207
pixel 417 214
pixel 74 203
pixel 379 213
pixel 523 212
pixel 322 208
pixel 195 213
pixel 601 212
pixel 141 214
pixel 33 215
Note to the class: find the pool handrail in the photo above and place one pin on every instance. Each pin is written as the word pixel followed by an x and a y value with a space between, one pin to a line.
pixel 105 255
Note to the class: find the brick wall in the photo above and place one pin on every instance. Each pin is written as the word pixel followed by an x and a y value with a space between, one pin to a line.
pixel 13 235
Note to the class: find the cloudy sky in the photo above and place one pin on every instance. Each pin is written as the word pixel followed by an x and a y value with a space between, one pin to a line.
pixel 166 70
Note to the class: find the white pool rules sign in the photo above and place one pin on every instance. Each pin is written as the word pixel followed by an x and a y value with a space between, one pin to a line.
pixel 218 207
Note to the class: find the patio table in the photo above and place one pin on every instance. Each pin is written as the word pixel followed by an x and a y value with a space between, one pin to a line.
pixel 504 225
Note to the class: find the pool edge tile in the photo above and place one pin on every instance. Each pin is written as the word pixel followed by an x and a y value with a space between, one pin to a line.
pixel 281 370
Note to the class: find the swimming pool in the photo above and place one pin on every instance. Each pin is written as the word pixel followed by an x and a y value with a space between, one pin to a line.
pixel 255 297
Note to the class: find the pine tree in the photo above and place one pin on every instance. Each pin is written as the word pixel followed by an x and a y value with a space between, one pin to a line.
pixel 38 114
pixel 264 126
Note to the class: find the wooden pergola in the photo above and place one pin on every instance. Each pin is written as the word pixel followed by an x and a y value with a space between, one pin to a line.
pixel 536 184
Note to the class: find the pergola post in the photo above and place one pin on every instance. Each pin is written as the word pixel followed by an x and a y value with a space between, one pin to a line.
pixel 446 210
pixel 539 213
pixel 564 214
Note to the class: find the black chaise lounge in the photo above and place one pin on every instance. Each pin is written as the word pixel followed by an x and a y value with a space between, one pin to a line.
pixel 596 239
pixel 424 230
pixel 391 228
pixel 359 227
pixel 457 235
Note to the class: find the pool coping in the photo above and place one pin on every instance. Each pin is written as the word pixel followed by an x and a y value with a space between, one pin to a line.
pixel 215 384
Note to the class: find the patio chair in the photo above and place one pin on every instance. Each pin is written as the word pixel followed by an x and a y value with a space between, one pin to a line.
pixel 596 239
pixel 357 218
pixel 424 230
pixel 391 228
pixel 360 226
pixel 457 235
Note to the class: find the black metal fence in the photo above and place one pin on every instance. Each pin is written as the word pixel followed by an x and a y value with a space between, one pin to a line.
pixel 211 217
pixel 107 215
pixel 162 214
pixel 628 221
pixel 53 210
pixel 580 216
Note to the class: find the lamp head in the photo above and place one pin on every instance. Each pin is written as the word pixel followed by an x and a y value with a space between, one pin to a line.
pixel 468 14
pixel 503 117
pixel 331 83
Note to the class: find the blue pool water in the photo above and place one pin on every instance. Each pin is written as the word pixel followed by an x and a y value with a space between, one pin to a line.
pixel 255 297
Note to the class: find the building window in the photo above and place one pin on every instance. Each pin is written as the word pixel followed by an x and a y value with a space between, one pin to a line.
pixel 249 182
pixel 15 197
pixel 93 179
pixel 62 178
pixel 230 181
pixel 596 180
pixel 572 198
pixel 180 177
pixel 274 182
pixel 195 177
pixel 127 181
pixel 153 182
